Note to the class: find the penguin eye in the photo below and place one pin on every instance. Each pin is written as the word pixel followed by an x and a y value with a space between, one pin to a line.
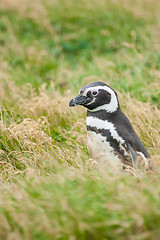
pixel 94 93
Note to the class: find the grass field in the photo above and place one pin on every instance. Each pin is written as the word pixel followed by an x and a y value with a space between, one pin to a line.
pixel 50 188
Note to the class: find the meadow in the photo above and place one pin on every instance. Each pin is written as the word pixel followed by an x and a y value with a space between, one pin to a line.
pixel 49 49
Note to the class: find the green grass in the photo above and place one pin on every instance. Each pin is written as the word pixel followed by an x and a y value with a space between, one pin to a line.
pixel 50 189
pixel 71 40
pixel 82 207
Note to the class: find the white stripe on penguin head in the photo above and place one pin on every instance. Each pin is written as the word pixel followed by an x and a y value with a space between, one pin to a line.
pixel 110 107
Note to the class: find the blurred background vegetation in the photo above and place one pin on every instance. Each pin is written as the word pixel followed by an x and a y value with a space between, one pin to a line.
pixel 113 40
pixel 49 49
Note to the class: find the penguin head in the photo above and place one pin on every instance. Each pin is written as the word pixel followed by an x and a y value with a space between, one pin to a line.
pixel 97 96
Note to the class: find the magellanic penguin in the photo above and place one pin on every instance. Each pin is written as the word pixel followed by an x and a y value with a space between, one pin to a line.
pixel 110 135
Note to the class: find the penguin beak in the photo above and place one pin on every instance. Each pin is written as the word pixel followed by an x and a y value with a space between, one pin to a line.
pixel 79 100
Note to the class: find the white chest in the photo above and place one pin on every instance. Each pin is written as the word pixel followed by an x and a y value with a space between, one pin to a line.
pixel 99 147
pixel 100 150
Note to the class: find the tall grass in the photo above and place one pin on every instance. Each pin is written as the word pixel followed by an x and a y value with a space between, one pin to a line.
pixel 50 188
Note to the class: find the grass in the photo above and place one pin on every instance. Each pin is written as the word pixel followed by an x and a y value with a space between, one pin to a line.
pixel 50 188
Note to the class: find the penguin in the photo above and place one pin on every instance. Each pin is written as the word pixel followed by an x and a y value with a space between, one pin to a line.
pixel 110 135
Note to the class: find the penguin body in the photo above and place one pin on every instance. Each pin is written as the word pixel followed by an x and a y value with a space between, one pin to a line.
pixel 110 135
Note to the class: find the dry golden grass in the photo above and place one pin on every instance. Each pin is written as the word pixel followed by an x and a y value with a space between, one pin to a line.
pixel 145 119
pixel 27 9
pixel 44 112
pixel 30 141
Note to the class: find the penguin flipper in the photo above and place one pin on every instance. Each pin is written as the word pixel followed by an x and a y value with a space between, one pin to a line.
pixel 135 154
